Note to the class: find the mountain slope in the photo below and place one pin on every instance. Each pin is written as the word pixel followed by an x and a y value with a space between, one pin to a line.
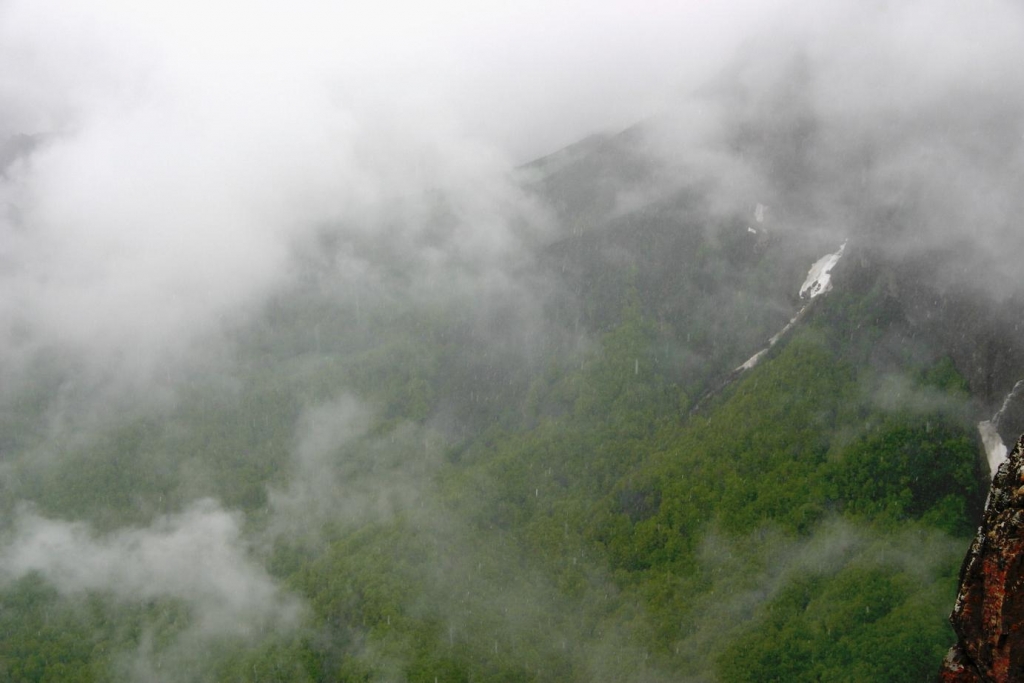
pixel 412 464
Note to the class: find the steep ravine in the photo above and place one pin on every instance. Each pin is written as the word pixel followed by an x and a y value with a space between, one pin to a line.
pixel 817 283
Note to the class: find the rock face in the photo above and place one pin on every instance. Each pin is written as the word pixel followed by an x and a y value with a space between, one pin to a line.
pixel 989 613
pixel 1009 421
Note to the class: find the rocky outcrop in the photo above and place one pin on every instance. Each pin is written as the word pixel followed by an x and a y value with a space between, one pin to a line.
pixel 989 613
pixel 1009 421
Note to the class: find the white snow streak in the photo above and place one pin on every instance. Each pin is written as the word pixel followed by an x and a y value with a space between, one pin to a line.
pixel 819 281
pixel 755 359
pixel 995 449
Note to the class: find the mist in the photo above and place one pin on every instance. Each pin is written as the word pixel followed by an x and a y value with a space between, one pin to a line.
pixel 196 556
pixel 186 149
pixel 301 265
pixel 893 123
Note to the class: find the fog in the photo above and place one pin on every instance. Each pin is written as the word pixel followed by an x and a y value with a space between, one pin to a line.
pixel 182 149
pixel 172 171
pixel 892 121
pixel 196 556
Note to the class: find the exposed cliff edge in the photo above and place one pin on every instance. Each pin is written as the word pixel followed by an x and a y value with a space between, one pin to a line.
pixel 988 616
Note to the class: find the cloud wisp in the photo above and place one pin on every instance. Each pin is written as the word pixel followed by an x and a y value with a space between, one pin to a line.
pixel 197 556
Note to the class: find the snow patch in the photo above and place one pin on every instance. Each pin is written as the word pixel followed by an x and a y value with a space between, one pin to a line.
pixel 819 281
pixel 995 449
pixel 819 278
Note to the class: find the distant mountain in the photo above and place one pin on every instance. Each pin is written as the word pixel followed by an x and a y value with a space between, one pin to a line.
pixel 552 459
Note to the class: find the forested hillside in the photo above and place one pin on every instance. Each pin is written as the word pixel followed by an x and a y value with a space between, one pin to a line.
pixel 420 492
pixel 290 395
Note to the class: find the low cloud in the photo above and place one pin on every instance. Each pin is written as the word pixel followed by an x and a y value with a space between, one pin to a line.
pixel 197 556
pixel 164 196
pixel 343 476
pixel 895 124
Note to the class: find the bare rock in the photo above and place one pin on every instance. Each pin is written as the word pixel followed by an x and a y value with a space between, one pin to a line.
pixel 989 613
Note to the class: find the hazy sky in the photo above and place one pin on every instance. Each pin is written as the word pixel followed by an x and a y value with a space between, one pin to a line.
pixel 189 143
pixel 525 75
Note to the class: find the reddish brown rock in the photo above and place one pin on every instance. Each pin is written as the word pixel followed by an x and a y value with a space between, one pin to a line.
pixel 957 669
pixel 989 613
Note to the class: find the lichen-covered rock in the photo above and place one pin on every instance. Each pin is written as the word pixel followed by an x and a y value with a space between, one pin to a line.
pixel 989 613
pixel 956 668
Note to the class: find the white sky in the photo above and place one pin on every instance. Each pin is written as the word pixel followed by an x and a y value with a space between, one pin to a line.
pixel 192 141
pixel 527 76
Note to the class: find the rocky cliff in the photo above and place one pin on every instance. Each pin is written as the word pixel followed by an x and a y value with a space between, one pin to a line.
pixel 989 613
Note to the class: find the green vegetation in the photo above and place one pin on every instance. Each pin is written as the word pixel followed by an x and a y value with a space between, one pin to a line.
pixel 822 630
pixel 575 524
